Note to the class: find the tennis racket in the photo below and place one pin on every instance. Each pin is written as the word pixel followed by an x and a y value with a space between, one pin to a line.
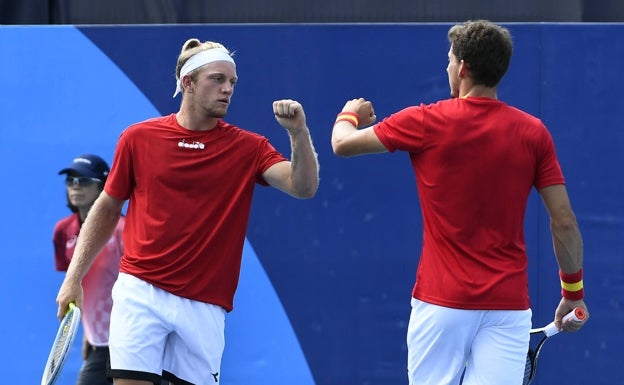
pixel 62 343
pixel 541 335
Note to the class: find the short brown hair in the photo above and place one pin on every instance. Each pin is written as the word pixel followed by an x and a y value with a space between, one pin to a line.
pixel 485 47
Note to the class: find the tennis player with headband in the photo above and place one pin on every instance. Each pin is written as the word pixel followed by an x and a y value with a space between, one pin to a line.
pixel 189 178
pixel 476 160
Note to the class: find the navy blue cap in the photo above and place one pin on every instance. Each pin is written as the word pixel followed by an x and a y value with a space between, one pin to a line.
pixel 88 165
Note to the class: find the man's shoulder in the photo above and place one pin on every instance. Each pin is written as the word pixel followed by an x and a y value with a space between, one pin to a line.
pixel 149 125
pixel 239 132
pixel 153 122
pixel 518 115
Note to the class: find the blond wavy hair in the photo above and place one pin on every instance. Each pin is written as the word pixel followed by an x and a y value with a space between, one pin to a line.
pixel 191 47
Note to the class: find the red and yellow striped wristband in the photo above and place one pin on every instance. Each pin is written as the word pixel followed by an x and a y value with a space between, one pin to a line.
pixel 572 285
pixel 347 116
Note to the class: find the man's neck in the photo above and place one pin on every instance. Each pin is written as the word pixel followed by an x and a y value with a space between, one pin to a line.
pixel 192 122
pixel 479 91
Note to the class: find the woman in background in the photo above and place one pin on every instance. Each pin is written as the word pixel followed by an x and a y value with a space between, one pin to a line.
pixel 84 181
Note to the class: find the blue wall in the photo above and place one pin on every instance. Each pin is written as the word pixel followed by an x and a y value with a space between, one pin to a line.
pixel 325 287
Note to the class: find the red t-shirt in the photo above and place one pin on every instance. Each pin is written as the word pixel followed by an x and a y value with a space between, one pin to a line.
pixel 476 161
pixel 98 282
pixel 190 196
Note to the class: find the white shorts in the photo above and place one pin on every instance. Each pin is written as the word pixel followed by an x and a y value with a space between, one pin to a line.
pixel 154 333
pixel 491 345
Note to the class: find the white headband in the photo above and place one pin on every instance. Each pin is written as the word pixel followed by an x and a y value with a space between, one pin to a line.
pixel 201 59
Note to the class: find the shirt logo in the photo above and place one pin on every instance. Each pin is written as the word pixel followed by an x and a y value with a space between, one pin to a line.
pixel 194 145
pixel 71 242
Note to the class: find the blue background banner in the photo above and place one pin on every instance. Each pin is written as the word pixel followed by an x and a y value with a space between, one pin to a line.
pixel 325 286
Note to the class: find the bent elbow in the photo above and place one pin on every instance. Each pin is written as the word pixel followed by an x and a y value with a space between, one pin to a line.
pixel 308 192
pixel 340 149
pixel 564 223
pixel 307 195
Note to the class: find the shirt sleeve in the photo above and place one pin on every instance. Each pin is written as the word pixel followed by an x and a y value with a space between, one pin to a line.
pixel 119 181
pixel 403 130
pixel 267 157
pixel 548 171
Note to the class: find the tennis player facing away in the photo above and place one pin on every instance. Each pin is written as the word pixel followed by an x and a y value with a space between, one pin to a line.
pixel 189 178
pixel 475 159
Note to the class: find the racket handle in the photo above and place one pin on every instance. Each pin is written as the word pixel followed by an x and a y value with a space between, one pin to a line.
pixel 577 314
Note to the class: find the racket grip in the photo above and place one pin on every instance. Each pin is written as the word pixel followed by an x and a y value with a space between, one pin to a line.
pixel 70 306
pixel 577 315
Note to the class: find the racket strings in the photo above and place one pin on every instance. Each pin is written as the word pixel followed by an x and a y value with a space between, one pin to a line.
pixel 537 340
pixel 528 368
pixel 62 343
pixel 60 346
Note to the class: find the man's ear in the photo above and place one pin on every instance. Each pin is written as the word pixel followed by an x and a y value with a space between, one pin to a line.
pixel 464 68
pixel 187 83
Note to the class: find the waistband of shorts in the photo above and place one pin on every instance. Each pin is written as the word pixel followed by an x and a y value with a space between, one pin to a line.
pixel 99 348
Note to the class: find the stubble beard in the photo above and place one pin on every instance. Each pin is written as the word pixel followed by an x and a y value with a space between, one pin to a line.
pixel 216 112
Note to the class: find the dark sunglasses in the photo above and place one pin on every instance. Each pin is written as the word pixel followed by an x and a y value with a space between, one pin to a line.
pixel 82 181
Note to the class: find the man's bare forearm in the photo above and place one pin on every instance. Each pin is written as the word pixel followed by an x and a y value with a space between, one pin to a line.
pixel 304 164
pixel 568 245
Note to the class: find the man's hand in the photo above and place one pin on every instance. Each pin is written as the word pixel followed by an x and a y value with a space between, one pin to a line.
pixel 364 110
pixel 566 306
pixel 69 292
pixel 290 115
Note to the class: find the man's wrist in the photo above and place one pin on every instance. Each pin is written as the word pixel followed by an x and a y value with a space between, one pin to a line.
pixel 572 285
